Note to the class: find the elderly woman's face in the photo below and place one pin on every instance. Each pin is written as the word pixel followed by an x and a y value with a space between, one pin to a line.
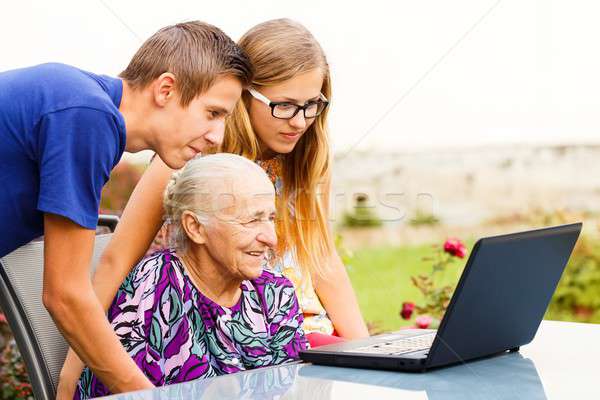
pixel 240 235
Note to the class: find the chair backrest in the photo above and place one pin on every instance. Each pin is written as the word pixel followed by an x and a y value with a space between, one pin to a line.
pixel 41 344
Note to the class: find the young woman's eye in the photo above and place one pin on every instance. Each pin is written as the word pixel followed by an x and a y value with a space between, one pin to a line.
pixel 285 106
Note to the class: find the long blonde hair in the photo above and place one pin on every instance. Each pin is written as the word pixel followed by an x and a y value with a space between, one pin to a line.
pixel 280 50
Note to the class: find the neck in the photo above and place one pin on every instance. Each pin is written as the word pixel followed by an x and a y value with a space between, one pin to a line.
pixel 210 278
pixel 265 152
pixel 134 108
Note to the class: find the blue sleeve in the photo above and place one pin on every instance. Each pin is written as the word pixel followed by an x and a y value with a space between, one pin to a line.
pixel 78 147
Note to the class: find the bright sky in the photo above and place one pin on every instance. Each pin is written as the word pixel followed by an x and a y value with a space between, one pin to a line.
pixel 407 74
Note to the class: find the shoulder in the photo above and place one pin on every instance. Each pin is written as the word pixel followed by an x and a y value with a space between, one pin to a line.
pixel 147 281
pixel 159 267
pixel 54 87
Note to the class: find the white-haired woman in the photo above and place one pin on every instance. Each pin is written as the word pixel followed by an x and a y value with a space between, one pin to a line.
pixel 207 307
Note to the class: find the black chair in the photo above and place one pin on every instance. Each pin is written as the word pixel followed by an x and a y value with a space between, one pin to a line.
pixel 41 344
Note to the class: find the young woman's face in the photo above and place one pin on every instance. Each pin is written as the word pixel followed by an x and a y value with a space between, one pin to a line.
pixel 280 136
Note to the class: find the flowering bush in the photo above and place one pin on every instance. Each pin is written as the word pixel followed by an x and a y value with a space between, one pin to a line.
pixel 14 383
pixel 436 298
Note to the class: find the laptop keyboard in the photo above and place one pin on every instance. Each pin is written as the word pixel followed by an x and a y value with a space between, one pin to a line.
pixel 398 346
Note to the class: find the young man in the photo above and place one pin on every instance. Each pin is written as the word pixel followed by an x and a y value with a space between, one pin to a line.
pixel 62 130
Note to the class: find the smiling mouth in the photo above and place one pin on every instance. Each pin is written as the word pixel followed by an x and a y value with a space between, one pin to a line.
pixel 257 253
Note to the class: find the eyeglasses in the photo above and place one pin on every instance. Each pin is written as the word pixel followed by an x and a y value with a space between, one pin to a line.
pixel 287 110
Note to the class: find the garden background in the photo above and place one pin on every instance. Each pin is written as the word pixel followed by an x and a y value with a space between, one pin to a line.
pixel 392 217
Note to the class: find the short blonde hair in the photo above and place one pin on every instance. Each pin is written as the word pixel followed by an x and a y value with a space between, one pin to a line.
pixel 197 53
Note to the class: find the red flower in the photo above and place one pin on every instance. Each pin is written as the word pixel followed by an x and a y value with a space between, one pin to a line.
pixel 407 310
pixel 455 247
pixel 423 321
pixel 2 319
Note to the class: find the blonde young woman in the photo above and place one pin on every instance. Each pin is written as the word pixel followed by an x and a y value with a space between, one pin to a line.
pixel 280 124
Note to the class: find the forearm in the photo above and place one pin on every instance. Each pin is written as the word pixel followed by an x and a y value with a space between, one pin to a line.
pixel 81 319
pixel 69 297
pixel 337 295
pixel 69 376
pixel 107 279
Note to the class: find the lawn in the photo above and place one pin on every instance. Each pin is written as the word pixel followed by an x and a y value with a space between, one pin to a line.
pixel 381 279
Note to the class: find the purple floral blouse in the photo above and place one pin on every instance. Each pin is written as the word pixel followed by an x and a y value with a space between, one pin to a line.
pixel 176 334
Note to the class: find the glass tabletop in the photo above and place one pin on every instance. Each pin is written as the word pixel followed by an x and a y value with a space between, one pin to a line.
pixel 561 362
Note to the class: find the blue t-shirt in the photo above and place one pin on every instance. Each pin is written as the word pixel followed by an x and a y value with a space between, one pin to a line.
pixel 61 133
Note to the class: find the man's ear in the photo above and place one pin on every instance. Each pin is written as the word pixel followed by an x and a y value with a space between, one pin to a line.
pixel 194 230
pixel 163 89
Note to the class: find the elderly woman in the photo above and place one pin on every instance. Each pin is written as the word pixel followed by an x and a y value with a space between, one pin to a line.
pixel 208 308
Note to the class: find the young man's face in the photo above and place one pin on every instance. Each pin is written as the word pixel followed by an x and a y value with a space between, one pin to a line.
pixel 182 133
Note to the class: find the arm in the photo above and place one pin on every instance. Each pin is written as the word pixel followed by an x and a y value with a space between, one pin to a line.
pixel 139 224
pixel 335 290
pixel 336 293
pixel 68 296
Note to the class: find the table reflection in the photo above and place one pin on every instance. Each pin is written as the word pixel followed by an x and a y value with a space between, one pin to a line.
pixel 510 376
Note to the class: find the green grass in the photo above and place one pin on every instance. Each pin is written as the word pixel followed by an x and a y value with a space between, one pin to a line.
pixel 381 279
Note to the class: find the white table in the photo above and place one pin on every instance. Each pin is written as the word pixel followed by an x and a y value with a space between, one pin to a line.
pixel 562 362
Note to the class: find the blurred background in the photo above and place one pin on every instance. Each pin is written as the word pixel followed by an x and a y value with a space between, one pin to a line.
pixel 448 120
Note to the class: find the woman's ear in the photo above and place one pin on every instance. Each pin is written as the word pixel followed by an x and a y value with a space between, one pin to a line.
pixel 194 230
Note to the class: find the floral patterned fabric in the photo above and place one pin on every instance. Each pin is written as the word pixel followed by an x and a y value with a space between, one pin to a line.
pixel 176 334
pixel 315 316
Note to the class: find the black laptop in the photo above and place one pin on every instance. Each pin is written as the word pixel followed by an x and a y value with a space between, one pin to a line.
pixel 497 306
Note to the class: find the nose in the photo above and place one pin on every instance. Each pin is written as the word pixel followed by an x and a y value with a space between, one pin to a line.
pixel 267 235
pixel 298 122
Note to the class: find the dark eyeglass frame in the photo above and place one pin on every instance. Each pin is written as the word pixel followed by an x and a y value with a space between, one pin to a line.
pixel 272 104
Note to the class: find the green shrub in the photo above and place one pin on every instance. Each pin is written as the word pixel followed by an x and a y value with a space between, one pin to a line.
pixel 362 215
pixel 578 291
pixel 422 218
